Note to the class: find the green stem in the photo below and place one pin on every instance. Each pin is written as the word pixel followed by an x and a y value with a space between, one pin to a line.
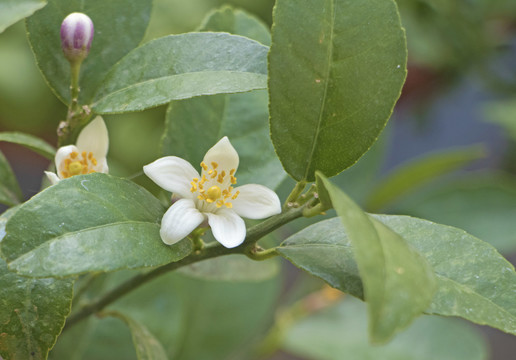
pixel 259 254
pixel 209 251
pixel 75 69
pixel 76 116
pixel 294 195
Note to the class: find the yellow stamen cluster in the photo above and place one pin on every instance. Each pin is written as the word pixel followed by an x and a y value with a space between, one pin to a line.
pixel 77 165
pixel 214 194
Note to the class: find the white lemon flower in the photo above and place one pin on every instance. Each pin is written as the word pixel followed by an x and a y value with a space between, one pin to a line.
pixel 87 156
pixel 211 195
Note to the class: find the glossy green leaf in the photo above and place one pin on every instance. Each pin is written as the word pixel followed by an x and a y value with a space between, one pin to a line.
pixel 13 10
pixel 244 118
pixel 147 346
pixel 415 173
pixel 233 268
pixel 341 329
pixel 483 205
pixel 398 282
pixel 333 81
pixel 32 311
pixel 119 27
pixel 238 22
pixel 29 141
pixel 10 192
pixel 183 66
pixel 473 280
pixel 93 222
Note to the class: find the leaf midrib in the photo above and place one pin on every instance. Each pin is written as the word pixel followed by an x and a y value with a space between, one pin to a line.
pixel 464 288
pixel 164 78
pixel 323 101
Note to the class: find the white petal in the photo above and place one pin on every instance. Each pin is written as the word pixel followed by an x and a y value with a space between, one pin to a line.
pixel 256 202
pixel 101 166
pixel 227 227
pixel 52 177
pixel 62 153
pixel 224 154
pixel 94 138
pixel 173 174
pixel 179 221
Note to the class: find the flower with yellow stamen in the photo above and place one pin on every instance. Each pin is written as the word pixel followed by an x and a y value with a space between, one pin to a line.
pixel 210 195
pixel 87 156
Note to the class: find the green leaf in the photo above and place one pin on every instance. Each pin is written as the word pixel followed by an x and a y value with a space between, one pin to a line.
pixel 473 280
pixel 333 81
pixel 119 28
pixel 483 205
pixel 182 66
pixel 32 311
pixel 13 10
pixel 417 172
pixel 29 141
pixel 10 192
pixel 242 117
pixel 93 222
pixel 338 330
pixel 232 268
pixel 398 283
pixel 147 346
pixel 238 22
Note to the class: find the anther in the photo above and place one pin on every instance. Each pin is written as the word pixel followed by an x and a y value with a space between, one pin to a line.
pixel 214 164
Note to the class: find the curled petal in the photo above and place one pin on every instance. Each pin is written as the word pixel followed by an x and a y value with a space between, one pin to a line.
pixel 173 174
pixel 224 154
pixel 256 202
pixel 94 138
pixel 227 227
pixel 52 177
pixel 61 154
pixel 179 221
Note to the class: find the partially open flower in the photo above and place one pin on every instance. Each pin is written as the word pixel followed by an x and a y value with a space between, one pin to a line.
pixel 87 156
pixel 211 195
pixel 76 36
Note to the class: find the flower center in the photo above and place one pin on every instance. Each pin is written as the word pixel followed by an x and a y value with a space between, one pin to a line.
pixel 210 187
pixel 77 165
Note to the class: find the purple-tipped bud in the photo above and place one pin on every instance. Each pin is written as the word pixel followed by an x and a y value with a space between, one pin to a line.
pixel 76 36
